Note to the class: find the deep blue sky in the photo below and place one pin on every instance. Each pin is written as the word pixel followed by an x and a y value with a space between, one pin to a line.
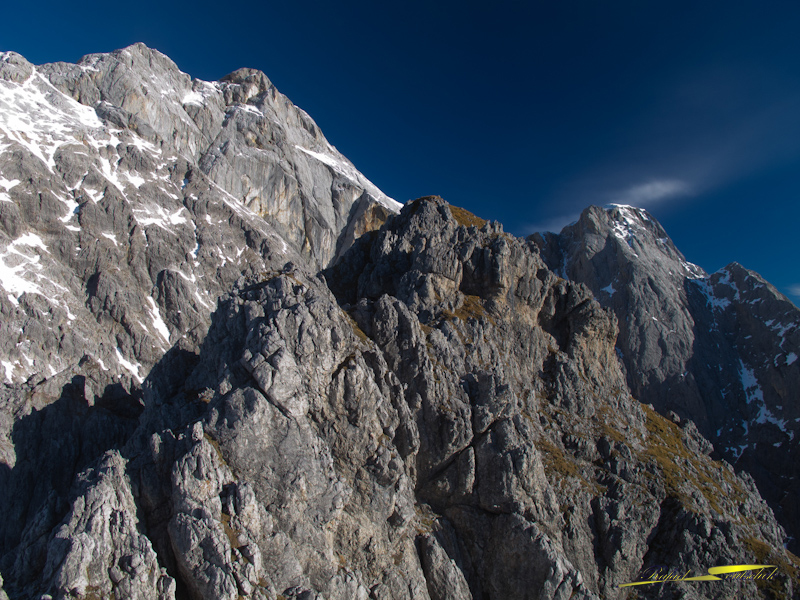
pixel 524 112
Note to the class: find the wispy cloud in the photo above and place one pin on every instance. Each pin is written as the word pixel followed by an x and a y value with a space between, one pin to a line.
pixel 642 195
pixel 651 192
pixel 683 153
pixel 794 290
pixel 554 224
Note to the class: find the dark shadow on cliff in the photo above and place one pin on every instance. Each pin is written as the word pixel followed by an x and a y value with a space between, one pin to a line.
pixel 52 445
pixel 725 407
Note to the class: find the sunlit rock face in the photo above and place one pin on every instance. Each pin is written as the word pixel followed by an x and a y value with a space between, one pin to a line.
pixel 132 196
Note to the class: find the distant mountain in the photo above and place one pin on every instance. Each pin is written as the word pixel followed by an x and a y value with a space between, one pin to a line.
pixel 235 369
pixel 721 350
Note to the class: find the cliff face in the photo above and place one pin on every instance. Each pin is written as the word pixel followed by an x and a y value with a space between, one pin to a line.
pixel 718 349
pixel 131 198
pixel 134 196
pixel 453 425
pixel 424 410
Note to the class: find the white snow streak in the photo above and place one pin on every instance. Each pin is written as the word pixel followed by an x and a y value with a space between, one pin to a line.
pixel 40 118
pixel 346 169
pixel 132 368
pixel 158 322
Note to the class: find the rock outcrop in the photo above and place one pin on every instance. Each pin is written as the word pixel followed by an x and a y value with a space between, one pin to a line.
pixel 720 350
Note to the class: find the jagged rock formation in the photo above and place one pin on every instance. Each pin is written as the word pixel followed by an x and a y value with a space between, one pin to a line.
pixel 424 410
pixel 720 350
pixel 133 196
pixel 457 428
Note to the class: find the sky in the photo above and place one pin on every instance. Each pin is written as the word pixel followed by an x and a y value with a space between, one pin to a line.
pixel 524 112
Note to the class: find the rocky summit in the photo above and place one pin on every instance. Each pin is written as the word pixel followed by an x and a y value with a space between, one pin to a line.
pixel 235 369
pixel 720 350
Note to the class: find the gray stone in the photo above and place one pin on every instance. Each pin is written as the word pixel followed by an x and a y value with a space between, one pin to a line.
pixel 717 350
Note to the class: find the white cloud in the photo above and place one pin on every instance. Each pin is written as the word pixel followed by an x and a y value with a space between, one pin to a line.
pixel 652 192
pixel 554 224
pixel 794 290
pixel 642 195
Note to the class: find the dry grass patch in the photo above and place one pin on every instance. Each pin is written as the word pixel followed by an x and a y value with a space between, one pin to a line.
pixel 680 466
pixel 465 218
pixel 356 329
pixel 765 555
pixel 472 308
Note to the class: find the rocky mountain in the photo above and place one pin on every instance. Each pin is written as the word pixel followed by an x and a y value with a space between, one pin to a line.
pixel 718 349
pixel 233 371
pixel 134 196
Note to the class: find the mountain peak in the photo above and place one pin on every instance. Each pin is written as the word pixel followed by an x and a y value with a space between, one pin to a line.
pixel 716 348
pixel 123 160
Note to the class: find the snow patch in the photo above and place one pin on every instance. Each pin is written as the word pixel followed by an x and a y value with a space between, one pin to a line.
pixel 110 175
pixel 132 368
pixel 249 108
pixel 94 195
pixel 135 180
pixel 7 184
pixel 750 384
pixel 32 240
pixel 156 215
pixel 711 299
pixel 755 394
pixel 39 117
pixel 630 224
pixel 725 280
pixel 15 264
pixel 781 329
pixel 186 277
pixel 200 299
pixel 72 209
pixel 193 97
pixel 737 451
pixel 693 271
pixel 344 168
pixel 9 368
pixel 176 218
pixel 158 322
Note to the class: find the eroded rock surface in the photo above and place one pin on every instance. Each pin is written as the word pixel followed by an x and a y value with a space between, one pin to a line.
pixel 131 198
pixel 721 350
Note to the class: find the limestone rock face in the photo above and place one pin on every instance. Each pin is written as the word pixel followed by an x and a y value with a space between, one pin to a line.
pixel 131 198
pixel 720 350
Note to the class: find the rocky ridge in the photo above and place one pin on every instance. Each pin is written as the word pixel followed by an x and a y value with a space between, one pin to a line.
pixel 718 349
pixel 453 425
